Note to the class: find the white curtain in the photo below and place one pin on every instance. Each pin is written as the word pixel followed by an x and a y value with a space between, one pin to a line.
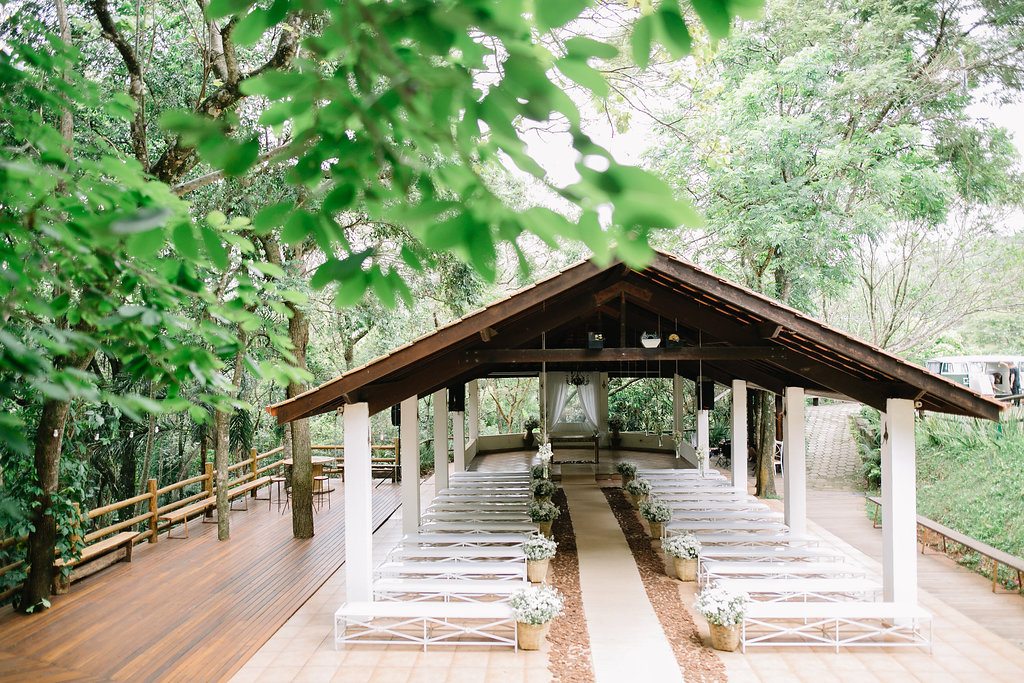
pixel 588 398
pixel 556 394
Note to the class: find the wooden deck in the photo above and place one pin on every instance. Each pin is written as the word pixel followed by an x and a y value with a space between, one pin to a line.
pixel 184 609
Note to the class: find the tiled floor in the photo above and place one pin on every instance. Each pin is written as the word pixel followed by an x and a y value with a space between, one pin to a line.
pixel 303 649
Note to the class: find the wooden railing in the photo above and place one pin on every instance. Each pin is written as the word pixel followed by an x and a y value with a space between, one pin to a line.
pixel 255 466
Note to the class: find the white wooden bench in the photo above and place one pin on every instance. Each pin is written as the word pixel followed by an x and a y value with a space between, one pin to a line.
pixel 484 516
pixel 769 553
pixel 464 539
pixel 483 498
pixel 725 515
pixel 425 623
pixel 836 624
pixel 509 570
pixel 755 538
pixel 459 590
pixel 481 527
pixel 697 504
pixel 456 552
pixel 804 590
pixel 706 497
pixel 712 570
pixel 724 525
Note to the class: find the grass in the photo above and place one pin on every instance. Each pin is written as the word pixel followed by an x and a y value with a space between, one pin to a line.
pixel 970 476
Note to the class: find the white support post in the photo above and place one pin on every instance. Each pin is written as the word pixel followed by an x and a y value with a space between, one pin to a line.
pixel 473 410
pixel 899 503
pixel 678 405
pixel 410 462
pixel 358 504
pixel 738 437
pixel 794 460
pixel 704 438
pixel 459 440
pixel 440 440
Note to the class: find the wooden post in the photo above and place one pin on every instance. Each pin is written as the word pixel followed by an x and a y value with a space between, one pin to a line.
pixel 208 484
pixel 151 486
pixel 253 466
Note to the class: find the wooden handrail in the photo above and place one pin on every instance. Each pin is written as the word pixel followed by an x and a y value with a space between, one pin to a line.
pixel 180 484
pixel 99 533
pixel 180 503
pixel 96 512
pixel 240 465
pixel 8 542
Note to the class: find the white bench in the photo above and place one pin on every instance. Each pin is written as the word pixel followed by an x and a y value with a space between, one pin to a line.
pixel 724 525
pixel 482 498
pixel 466 539
pixel 764 515
pixel 513 552
pixel 836 624
pixel 768 553
pixel 711 570
pixel 509 570
pixel 811 589
pixel 465 590
pixel 706 497
pixel 481 527
pixel 755 538
pixel 425 623
pixel 482 515
pixel 698 504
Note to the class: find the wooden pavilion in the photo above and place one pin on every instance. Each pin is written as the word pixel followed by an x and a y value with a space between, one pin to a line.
pixel 725 333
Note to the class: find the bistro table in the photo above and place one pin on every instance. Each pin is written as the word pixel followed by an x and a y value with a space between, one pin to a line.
pixel 318 469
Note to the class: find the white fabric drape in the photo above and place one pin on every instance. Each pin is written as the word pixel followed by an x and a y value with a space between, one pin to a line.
pixel 588 398
pixel 556 393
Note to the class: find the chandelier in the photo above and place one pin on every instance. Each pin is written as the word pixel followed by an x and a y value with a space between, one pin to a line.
pixel 577 379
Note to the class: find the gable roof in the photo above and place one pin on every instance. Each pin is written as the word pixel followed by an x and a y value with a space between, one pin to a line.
pixel 725 332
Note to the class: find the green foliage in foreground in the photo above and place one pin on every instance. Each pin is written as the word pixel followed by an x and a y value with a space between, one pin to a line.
pixel 969 477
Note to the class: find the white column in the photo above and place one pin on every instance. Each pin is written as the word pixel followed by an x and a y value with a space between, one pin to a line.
pixel 899 503
pixel 473 410
pixel 739 435
pixel 358 508
pixel 704 437
pixel 410 462
pixel 459 440
pixel 794 460
pixel 440 440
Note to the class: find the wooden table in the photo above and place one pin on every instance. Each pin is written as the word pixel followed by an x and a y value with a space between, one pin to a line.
pixel 573 439
pixel 318 470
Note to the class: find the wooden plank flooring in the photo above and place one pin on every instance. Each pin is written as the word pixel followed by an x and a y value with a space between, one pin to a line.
pixel 184 609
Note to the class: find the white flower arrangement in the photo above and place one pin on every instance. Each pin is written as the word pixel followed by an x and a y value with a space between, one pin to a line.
pixel 544 453
pixel 639 487
pixel 542 512
pixel 537 605
pixel 677 437
pixel 538 548
pixel 655 510
pixel 626 469
pixel 543 488
pixel 720 606
pixel 684 546
pixel 703 455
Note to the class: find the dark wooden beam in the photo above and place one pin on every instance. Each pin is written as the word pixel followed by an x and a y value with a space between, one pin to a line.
pixel 495 356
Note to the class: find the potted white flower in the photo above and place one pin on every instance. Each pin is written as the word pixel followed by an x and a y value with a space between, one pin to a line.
pixel 684 550
pixel 627 471
pixel 543 514
pixel 638 490
pixel 539 551
pixel 656 512
pixel 724 611
pixel 533 608
pixel 543 489
pixel 545 453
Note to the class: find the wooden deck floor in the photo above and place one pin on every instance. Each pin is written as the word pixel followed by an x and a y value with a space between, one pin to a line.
pixel 184 609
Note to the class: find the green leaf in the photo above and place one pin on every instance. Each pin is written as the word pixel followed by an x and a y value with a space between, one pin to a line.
pixel 222 8
pixel 715 15
pixel 584 48
pixel 272 217
pixel 674 34
pixel 215 248
pixel 185 241
pixel 640 41
pixel 249 29
pixel 268 269
pixel 340 198
pixel 585 75
pixel 144 219
pixel 554 13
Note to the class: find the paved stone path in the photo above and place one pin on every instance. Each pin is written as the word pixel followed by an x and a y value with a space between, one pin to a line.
pixel 833 462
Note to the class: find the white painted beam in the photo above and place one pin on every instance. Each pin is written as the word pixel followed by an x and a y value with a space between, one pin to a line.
pixel 440 440
pixel 704 438
pixel 410 463
pixel 473 410
pixel 678 405
pixel 794 460
pixel 358 507
pixel 899 502
pixel 739 435
pixel 459 440
pixel 602 410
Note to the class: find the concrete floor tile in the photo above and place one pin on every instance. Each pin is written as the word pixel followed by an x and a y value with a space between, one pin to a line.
pixel 466 674
pixel 315 674
pixel 278 674
pixel 391 674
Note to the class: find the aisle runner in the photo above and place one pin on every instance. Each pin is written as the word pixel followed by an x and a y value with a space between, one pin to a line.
pixel 624 630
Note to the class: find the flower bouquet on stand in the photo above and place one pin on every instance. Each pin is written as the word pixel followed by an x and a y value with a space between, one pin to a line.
pixel 543 489
pixel 724 611
pixel 656 512
pixel 544 514
pixel 544 453
pixel 533 608
pixel 684 550
pixel 627 471
pixel 638 490
pixel 539 551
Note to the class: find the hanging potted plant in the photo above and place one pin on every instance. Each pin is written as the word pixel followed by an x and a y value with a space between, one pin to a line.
pixel 539 551
pixel 656 512
pixel 638 490
pixel 543 514
pixel 533 608
pixel 724 611
pixel 542 490
pixel 615 425
pixel 684 550
pixel 627 471
pixel 529 425
pixel 650 340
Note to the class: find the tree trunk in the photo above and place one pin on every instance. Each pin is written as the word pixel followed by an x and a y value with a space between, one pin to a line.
pixel 766 445
pixel 302 467
pixel 220 463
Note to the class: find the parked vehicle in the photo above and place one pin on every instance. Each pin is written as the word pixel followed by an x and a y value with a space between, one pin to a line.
pixel 992 375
